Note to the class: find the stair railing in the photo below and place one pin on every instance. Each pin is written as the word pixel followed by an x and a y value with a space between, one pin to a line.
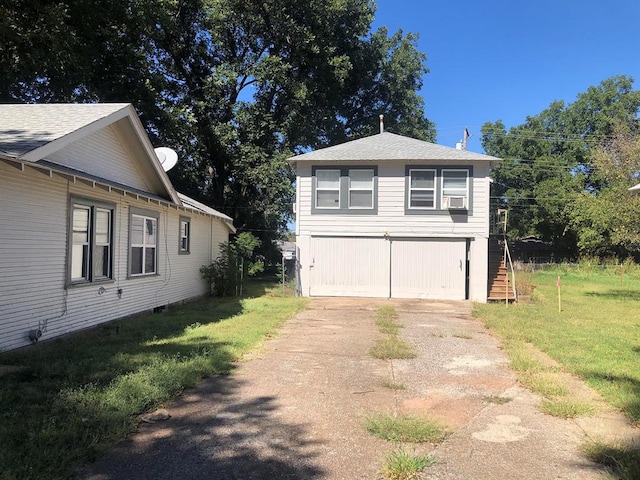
pixel 507 258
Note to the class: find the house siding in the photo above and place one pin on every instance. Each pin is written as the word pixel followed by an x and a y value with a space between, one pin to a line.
pixel 106 156
pixel 391 222
pixel 33 258
pixel 391 218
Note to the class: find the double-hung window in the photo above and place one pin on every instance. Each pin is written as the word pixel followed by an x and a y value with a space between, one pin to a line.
pixel 455 189
pixel 143 253
pixel 360 188
pixel 185 235
pixel 345 190
pixel 438 190
pixel 422 188
pixel 328 188
pixel 91 242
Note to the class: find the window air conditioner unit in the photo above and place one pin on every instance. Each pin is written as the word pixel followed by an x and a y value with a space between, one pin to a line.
pixel 456 202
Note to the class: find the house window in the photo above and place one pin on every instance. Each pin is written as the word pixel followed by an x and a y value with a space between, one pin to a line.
pixel 422 188
pixel 345 190
pixel 455 189
pixel 91 244
pixel 143 252
pixel 185 235
pixel 360 188
pixel 328 188
pixel 438 190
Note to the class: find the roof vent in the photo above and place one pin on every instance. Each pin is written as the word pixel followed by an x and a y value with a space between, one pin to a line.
pixel 381 123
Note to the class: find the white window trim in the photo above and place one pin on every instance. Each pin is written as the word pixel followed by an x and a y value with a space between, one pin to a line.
pixel 418 189
pixel 89 276
pixel 145 215
pixel 182 221
pixel 318 189
pixel 369 207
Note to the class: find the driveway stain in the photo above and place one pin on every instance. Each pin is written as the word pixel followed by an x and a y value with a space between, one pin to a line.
pixel 504 429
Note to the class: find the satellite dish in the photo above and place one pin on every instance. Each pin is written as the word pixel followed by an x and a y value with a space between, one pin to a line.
pixel 168 157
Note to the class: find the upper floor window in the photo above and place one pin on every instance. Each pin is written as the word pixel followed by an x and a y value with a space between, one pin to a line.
pixel 455 189
pixel 328 188
pixel 185 235
pixel 345 190
pixel 438 189
pixel 91 242
pixel 422 188
pixel 143 243
pixel 360 188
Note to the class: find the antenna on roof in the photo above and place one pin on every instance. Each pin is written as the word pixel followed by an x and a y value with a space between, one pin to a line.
pixel 381 123
pixel 167 156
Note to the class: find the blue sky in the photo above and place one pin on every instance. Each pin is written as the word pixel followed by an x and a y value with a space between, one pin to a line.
pixel 505 59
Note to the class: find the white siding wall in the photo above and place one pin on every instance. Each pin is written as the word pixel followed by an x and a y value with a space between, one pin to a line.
pixel 392 221
pixel 106 155
pixel 33 236
pixel 391 216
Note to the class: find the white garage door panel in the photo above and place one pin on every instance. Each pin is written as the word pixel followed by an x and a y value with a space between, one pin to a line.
pixel 434 268
pixel 349 267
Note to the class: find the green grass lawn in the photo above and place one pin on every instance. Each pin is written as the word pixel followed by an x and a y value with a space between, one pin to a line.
pixel 597 334
pixel 76 397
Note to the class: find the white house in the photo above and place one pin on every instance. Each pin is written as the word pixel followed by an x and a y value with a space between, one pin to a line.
pixel 91 228
pixel 392 216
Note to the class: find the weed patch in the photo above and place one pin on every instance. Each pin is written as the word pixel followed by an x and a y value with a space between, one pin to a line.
pixel 566 408
pixel 622 460
pixel 392 347
pixel 405 428
pixel 402 465
pixel 495 399
pixel 394 385
pixel 387 321
pixel 543 383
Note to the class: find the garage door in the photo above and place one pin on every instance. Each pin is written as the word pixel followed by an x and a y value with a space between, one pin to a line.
pixel 429 268
pixel 378 267
pixel 350 267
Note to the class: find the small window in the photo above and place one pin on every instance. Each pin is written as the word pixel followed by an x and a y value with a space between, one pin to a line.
pixel 360 188
pixel 455 188
pixel 422 188
pixel 328 188
pixel 185 235
pixel 143 244
pixel 91 245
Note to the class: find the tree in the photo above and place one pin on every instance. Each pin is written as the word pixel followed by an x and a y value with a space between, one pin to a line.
pixel 548 162
pixel 236 86
pixel 607 221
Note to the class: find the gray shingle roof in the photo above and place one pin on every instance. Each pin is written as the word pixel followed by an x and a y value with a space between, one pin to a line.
pixel 190 202
pixel 389 146
pixel 24 128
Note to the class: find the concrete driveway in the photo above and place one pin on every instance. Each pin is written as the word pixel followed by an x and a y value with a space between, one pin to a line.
pixel 294 409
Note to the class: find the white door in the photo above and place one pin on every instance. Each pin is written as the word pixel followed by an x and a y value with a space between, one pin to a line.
pixel 349 267
pixel 429 268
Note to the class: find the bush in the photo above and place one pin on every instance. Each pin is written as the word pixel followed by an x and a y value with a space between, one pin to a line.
pixel 235 262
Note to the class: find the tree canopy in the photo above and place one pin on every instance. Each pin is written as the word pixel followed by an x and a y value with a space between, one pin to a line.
pixel 235 86
pixel 553 168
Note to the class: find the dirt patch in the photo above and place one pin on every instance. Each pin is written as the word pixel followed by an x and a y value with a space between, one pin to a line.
pixel 448 410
